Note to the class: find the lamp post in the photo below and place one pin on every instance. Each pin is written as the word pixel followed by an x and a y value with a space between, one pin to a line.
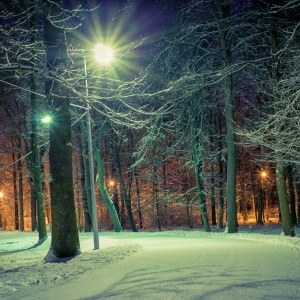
pixel 103 55
pixel 264 176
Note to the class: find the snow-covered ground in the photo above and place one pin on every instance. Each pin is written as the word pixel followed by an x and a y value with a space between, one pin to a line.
pixel 257 263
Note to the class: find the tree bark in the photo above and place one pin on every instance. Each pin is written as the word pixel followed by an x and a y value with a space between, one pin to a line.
pixel 16 206
pixel 65 238
pixel 280 176
pixel 101 183
pixel 84 197
pixel 292 194
pixel 20 181
pixel 123 190
pixel 199 182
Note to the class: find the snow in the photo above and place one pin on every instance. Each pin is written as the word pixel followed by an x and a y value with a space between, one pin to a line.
pixel 256 263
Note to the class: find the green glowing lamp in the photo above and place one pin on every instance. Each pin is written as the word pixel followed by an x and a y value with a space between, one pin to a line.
pixel 46 119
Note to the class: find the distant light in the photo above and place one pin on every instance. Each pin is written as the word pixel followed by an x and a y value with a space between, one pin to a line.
pixel 1 194
pixel 111 183
pixel 103 54
pixel 46 119
pixel 263 174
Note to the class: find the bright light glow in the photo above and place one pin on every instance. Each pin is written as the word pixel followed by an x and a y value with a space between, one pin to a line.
pixel 46 119
pixel 111 183
pixel 264 174
pixel 103 54
pixel 1 194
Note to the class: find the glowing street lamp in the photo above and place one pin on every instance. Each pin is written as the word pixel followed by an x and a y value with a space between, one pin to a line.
pixel 46 119
pixel 263 174
pixel 104 55
pixel 111 183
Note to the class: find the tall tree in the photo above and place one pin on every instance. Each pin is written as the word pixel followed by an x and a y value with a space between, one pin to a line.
pixel 221 12
pixel 279 155
pixel 65 238
pixel 36 165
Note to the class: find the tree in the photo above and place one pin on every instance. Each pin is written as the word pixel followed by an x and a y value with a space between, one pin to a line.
pixel 280 169
pixel 65 239
pixel 276 127
pixel 221 12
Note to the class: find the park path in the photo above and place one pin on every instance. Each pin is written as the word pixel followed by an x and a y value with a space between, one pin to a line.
pixel 189 268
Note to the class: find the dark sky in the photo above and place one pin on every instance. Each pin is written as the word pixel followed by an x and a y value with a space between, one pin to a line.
pixel 141 17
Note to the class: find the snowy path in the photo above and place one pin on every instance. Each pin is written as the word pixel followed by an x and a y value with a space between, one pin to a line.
pixel 173 267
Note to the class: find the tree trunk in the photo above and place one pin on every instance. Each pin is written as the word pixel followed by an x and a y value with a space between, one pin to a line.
pixel 84 197
pixel 232 224
pixel 138 197
pixel 212 176
pixel 20 179
pixel 123 190
pixel 292 194
pixel 16 206
pixel 137 187
pixel 280 176
pixel 65 238
pixel 297 171
pixel 155 196
pixel 199 183
pixel 37 180
pixel 101 183
pixel 221 177
pixel 107 200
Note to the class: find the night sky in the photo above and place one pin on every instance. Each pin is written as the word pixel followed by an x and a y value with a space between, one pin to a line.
pixel 133 19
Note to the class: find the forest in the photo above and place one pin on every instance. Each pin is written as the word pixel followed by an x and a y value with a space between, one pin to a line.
pixel 193 125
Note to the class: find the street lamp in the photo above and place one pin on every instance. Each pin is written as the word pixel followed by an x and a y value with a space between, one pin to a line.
pixel 46 119
pixel 111 183
pixel 263 174
pixel 103 55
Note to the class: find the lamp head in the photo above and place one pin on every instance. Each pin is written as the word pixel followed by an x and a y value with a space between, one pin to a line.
pixel 46 119
pixel 263 174
pixel 103 54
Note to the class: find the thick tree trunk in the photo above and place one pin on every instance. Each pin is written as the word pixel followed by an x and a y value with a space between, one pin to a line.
pixel 222 14
pixel 287 225
pixel 280 176
pixel 65 238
